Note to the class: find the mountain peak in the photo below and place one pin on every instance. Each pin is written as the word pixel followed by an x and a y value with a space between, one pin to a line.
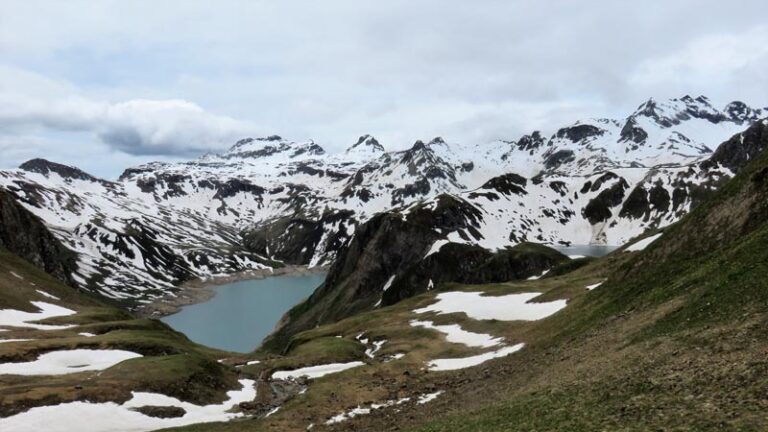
pixel 270 145
pixel 44 166
pixel 366 144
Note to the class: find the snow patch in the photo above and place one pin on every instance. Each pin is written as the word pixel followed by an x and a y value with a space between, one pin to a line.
pixel 465 362
pixel 510 307
pixel 389 283
pixel 593 286
pixel 436 246
pixel 642 244
pixel 316 371
pixel 539 276
pixel 45 294
pixel 14 340
pixel 99 417
pixel 455 334
pixel 429 397
pixel 67 362
pixel 17 318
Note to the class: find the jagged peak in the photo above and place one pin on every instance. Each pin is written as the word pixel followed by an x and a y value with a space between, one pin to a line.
pixel 741 112
pixel 366 143
pixel 44 167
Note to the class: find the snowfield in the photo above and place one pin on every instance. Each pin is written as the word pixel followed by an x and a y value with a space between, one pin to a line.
pixel 593 286
pixel 67 362
pixel 100 417
pixel 316 371
pixel 450 364
pixel 193 213
pixel 17 318
pixel 510 307
pixel 642 244
pixel 455 334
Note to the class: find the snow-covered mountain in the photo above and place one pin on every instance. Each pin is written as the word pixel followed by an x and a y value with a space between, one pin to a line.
pixel 269 200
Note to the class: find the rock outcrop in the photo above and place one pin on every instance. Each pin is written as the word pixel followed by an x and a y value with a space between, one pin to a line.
pixel 24 234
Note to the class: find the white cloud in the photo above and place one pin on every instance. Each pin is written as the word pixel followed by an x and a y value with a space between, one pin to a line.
pixel 707 61
pixel 31 102
pixel 136 74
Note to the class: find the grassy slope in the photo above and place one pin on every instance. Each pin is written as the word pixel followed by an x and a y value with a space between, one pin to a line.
pixel 674 340
pixel 381 381
pixel 171 364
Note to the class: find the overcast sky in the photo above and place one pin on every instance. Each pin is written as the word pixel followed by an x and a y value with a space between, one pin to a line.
pixel 104 85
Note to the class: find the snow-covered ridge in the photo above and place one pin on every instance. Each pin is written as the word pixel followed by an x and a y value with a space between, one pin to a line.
pixel 266 199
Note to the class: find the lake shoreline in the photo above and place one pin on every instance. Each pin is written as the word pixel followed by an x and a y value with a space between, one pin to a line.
pixel 201 290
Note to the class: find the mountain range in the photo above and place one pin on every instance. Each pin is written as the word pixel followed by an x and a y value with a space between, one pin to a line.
pixel 267 202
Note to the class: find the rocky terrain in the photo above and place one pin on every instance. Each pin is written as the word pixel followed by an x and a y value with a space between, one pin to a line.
pixel 442 310
pixel 269 201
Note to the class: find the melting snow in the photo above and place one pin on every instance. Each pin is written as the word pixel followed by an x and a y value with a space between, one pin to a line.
pixel 51 296
pixel 436 247
pixel 539 276
pixel 593 286
pixel 389 283
pixel 16 276
pixel 429 397
pixel 316 371
pixel 354 412
pixel 99 417
pixel 465 362
pixel 14 340
pixel 455 334
pixel 642 244
pixel 86 334
pixel 505 308
pixel 16 318
pixel 67 362
pixel 371 352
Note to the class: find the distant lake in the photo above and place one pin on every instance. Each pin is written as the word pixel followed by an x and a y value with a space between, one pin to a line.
pixel 243 313
pixel 586 250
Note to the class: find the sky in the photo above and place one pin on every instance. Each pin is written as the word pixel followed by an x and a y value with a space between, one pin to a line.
pixel 104 85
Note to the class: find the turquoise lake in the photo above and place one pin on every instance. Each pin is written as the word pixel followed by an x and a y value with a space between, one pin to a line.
pixel 586 250
pixel 243 313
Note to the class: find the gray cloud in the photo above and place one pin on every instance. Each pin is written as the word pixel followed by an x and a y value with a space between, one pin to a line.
pixel 332 70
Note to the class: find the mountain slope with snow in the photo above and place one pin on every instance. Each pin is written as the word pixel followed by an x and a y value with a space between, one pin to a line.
pixel 266 201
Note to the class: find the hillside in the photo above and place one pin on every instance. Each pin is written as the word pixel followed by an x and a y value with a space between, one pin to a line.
pixel 663 334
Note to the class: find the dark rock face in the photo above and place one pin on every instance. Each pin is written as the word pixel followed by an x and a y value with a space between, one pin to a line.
pixel 161 411
pixel 173 184
pixel 598 184
pixel 232 187
pixel 295 239
pixel 530 142
pixel 385 245
pixel 389 251
pixel 24 234
pixel 558 158
pixel 740 149
pixel 507 184
pixel 45 167
pixel 367 141
pixel 419 187
pixel 636 205
pixel 469 264
pixel 740 112
pixel 599 208
pixel 579 132
pixel 632 132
